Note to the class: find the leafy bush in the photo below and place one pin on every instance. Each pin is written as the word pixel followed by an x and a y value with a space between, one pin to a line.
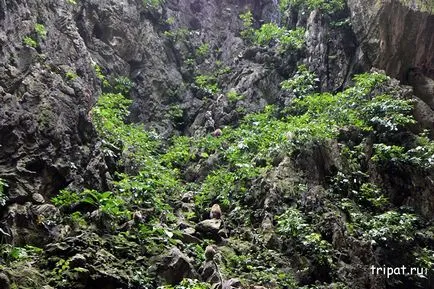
pixel 217 187
pixel 372 195
pixel 151 188
pixel 292 39
pixel 100 75
pixel 326 6
pixel 179 34
pixel 188 284
pixel 424 258
pixel 267 32
pixel 247 31
pixel 256 267
pixel 65 198
pixel 391 226
pixel 78 220
pixel 233 96
pixel 203 50
pixel 71 75
pixel 356 107
pixel 388 113
pixel 122 85
pixel 40 30
pixel 271 34
pixel 179 153
pixel 29 41
pixel 292 224
pixel 302 83
pixel 392 153
pixel 420 154
pixel 176 112
pixel 150 183
pixel 208 83
pixel 106 201
pixel 108 116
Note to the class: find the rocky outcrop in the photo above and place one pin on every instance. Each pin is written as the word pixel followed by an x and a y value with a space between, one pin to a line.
pixel 56 57
pixel 177 266
pixel 394 37
pixel 45 131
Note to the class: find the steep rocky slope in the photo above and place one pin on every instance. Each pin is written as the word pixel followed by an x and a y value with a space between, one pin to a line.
pixel 123 121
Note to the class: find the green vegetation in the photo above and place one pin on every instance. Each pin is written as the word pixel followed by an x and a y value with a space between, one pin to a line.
pixel 203 50
pixel 270 34
pixel 153 175
pixel 249 266
pixel 170 20
pixel 233 96
pixel 122 85
pixel 422 155
pixel 29 41
pixel 302 83
pixel 208 83
pixel 188 284
pixel 286 39
pixel 247 18
pixel 425 258
pixel 179 34
pixel 326 6
pixel 153 3
pixel 107 202
pixel 101 76
pixel 176 112
pixel 292 224
pixel 40 30
pixel 392 226
pixel 422 5
pixel 71 75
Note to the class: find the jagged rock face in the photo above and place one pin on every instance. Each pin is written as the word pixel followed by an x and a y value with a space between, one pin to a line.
pixel 133 43
pixel 394 37
pixel 45 133
pixel 47 141
pixel 332 50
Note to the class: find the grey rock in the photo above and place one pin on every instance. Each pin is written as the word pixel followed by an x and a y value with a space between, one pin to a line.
pixel 38 198
pixel 4 281
pixel 209 226
pixel 176 266
pixel 78 260
pixel 209 272
pixel 189 238
pixel 232 283
pixel 388 45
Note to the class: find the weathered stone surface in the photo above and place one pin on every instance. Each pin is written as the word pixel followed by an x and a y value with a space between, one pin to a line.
pixel 394 37
pixel 188 237
pixel 232 283
pixel 48 143
pixel 211 226
pixel 209 272
pixel 4 281
pixel 331 51
pixel 176 266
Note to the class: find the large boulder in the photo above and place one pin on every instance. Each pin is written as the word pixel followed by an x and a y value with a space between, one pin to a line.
pixel 176 266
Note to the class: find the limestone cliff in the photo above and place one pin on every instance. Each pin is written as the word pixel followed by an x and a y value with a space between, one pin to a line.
pixel 208 71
